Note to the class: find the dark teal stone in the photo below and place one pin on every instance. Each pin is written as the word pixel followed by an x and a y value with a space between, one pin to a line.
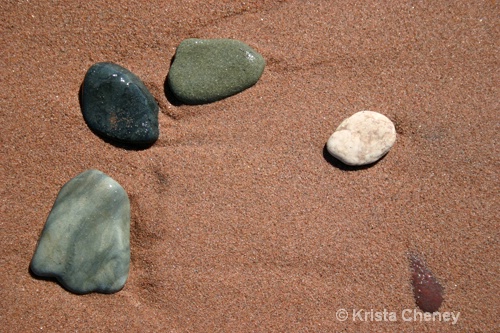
pixel 85 243
pixel 117 105
pixel 208 70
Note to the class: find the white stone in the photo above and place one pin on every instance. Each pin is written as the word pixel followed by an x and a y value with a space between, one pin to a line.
pixel 362 138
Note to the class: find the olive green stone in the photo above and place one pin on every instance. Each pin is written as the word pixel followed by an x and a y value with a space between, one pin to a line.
pixel 207 70
pixel 85 243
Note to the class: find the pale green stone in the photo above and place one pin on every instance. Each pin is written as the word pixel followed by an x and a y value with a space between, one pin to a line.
pixel 85 243
pixel 207 70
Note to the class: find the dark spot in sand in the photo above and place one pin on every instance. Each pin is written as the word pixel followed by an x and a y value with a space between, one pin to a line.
pixel 427 290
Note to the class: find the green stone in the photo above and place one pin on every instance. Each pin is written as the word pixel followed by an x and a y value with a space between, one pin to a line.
pixel 117 106
pixel 208 70
pixel 85 243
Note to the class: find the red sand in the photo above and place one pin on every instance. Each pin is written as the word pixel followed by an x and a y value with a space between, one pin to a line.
pixel 239 223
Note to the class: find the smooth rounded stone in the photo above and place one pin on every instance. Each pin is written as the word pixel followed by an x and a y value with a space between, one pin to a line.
pixel 362 138
pixel 85 243
pixel 117 105
pixel 208 70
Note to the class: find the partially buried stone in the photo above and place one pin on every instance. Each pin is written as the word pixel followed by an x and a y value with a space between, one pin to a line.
pixel 117 106
pixel 85 243
pixel 427 290
pixel 208 70
pixel 362 138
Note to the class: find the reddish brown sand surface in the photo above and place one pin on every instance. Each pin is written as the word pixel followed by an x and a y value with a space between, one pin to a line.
pixel 239 222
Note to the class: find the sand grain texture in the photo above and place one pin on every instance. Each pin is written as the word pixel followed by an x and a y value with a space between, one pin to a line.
pixel 239 222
